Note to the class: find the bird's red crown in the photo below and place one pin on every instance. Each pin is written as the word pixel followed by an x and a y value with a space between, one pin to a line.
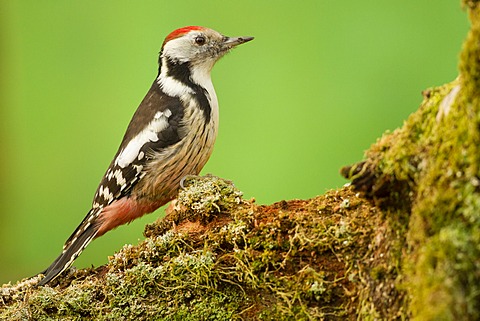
pixel 180 32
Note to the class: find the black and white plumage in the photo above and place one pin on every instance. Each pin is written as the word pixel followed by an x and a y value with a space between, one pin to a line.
pixel 170 136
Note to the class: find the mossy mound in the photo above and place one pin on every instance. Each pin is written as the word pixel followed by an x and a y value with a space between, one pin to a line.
pixel 219 257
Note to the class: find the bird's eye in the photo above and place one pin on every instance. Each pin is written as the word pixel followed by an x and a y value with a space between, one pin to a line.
pixel 200 40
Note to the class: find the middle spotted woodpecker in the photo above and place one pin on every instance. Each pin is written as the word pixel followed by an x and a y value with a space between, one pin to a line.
pixel 170 136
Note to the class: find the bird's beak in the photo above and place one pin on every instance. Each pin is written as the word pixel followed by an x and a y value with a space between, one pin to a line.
pixel 230 42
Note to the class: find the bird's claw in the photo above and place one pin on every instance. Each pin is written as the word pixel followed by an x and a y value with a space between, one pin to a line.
pixel 182 181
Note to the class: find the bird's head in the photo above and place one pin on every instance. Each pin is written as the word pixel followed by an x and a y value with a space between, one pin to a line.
pixel 198 46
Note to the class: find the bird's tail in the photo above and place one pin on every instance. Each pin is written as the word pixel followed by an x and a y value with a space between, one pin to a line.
pixel 73 247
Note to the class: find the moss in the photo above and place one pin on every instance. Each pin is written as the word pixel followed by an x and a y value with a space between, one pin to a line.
pixel 429 170
pixel 223 258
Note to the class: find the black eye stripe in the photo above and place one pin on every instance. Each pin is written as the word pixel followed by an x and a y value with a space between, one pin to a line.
pixel 200 40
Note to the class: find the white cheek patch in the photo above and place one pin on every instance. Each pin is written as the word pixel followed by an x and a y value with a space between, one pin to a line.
pixel 149 134
pixel 181 48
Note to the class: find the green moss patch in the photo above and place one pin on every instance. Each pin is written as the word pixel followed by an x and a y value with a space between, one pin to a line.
pixel 427 174
pixel 220 257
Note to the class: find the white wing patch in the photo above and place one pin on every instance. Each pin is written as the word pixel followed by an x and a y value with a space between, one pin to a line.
pixel 149 134
pixel 105 193
pixel 120 179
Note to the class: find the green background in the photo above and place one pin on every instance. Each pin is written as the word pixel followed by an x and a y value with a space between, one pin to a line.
pixel 321 81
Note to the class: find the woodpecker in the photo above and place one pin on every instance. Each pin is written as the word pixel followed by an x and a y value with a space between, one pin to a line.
pixel 170 136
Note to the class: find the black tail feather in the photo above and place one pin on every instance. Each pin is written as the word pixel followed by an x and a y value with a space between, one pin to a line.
pixel 73 248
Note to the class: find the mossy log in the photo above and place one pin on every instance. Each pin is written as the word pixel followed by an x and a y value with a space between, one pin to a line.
pixel 402 242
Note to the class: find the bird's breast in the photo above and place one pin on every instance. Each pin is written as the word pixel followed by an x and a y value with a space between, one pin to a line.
pixel 187 157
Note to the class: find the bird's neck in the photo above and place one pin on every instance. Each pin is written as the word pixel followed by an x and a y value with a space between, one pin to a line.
pixel 184 79
pixel 178 78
